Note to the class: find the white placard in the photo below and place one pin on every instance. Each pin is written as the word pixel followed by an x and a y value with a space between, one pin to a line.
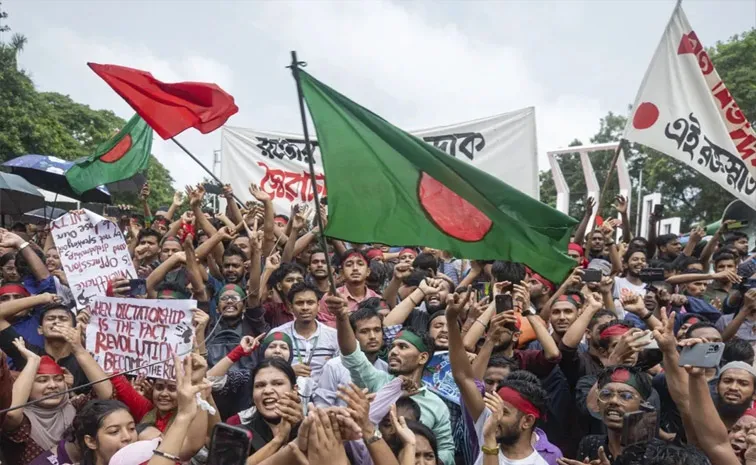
pixel 92 252
pixel 124 334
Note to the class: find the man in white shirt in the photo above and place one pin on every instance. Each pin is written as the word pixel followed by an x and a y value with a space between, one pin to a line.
pixel 313 343
pixel 368 329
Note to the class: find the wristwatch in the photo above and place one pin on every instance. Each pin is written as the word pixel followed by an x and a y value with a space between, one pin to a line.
pixel 527 312
pixel 377 436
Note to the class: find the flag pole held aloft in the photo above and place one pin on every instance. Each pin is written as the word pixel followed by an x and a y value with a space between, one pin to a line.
pixel 310 155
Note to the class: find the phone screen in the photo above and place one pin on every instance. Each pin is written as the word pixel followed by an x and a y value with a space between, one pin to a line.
pixel 640 426
pixel 138 287
pixel 504 303
pixel 592 276
pixel 229 445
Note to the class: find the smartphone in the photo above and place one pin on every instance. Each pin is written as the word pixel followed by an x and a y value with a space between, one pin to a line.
pixel 658 209
pixel 503 303
pixel 480 290
pixel 640 426
pixel 705 355
pixel 649 342
pixel 592 276
pixel 649 275
pixel 229 445
pixel 138 287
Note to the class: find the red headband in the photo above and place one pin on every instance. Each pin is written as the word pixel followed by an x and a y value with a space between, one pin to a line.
pixel 374 253
pixel 355 254
pixel 407 250
pixel 544 281
pixel 519 402
pixel 576 248
pixel 14 289
pixel 47 366
pixel 574 299
pixel 616 330
pixel 693 320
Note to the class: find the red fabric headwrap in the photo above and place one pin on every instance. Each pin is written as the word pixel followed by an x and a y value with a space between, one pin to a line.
pixel 520 403
pixel 407 250
pixel 47 366
pixel 616 330
pixel 575 247
pixel 14 289
pixel 548 284
pixel 374 253
pixel 354 254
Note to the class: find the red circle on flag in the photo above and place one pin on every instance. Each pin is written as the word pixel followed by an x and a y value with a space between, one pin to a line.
pixel 118 150
pixel 451 213
pixel 645 116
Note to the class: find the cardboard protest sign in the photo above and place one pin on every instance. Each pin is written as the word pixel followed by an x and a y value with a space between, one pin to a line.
pixel 124 334
pixel 92 252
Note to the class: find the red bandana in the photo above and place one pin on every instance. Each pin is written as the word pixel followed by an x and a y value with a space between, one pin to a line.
pixel 408 250
pixel 616 330
pixel 519 402
pixel 620 376
pixel 47 366
pixel 546 283
pixel 14 289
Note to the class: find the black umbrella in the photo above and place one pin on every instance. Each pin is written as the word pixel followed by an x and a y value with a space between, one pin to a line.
pixel 17 195
pixel 49 173
pixel 43 215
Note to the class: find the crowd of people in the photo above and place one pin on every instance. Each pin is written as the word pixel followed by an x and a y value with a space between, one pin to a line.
pixel 414 357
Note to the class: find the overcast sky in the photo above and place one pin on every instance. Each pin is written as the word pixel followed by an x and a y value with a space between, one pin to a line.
pixel 416 63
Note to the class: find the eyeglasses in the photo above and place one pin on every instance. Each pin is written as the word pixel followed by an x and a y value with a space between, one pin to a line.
pixel 605 395
pixel 230 298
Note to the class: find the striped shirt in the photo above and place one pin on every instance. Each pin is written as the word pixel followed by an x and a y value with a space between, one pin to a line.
pixel 322 346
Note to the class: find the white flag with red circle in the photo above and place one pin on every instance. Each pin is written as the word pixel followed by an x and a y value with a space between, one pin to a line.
pixel 684 110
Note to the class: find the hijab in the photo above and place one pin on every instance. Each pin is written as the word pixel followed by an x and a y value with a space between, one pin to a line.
pixel 49 424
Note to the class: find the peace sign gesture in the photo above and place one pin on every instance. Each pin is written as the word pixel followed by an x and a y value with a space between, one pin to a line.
pixel 186 392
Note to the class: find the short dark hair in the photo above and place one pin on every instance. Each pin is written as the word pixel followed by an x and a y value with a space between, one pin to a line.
pixel 56 306
pixel 234 251
pixel 503 362
pixel 529 387
pixel 23 267
pixel 425 261
pixel 362 314
pixel 631 251
pixel 508 271
pixel 299 288
pixel 315 250
pixel 419 428
pixel 699 325
pixel 683 262
pixel 665 239
pixel 407 403
pixel 737 350
pixel 370 302
pixel 733 236
pixel 598 315
pixel 146 232
pixel 415 278
pixel 280 273
pixel 4 259
pixel 661 453
pixel 722 255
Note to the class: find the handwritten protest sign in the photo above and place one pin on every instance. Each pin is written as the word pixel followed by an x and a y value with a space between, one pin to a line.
pixel 92 251
pixel 437 377
pixel 124 334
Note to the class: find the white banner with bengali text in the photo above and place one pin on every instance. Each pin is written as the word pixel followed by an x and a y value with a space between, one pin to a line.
pixel 503 146
pixel 92 252
pixel 684 110
pixel 124 334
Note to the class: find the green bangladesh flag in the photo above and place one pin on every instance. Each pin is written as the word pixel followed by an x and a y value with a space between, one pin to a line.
pixel 385 185
pixel 120 157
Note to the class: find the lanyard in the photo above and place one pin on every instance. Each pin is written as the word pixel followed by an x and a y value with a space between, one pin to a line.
pixel 299 352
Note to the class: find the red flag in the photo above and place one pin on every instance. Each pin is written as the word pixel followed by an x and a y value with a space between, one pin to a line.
pixel 169 108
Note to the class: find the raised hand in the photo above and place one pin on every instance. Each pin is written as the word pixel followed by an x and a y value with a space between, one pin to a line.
pixel 430 286
pixel 729 275
pixel 402 271
pixel 630 343
pixel 186 391
pixel 200 320
pixel 358 407
pixel 665 336
pixel 299 218
pixel 258 193
pixel 633 303
pixel 325 443
pixel 178 198
pixel 498 288
pixel 144 193
pixel 697 233
pixel 455 303
pixel 26 353
pixel 250 343
pixel 72 336
pixel 302 370
pixel 337 306
pixel 400 427
pixel 273 261
pixel 620 204
pixel 588 206
pixel 10 240
pixel 521 294
pixel 496 406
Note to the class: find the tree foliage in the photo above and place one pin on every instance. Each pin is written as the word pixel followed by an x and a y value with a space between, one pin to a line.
pixel 685 192
pixel 49 123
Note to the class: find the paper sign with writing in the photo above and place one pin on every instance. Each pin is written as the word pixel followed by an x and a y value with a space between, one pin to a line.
pixel 683 109
pixel 124 334
pixel 502 145
pixel 92 252
pixel 437 377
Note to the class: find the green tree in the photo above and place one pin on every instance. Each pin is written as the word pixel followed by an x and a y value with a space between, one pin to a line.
pixel 685 192
pixel 50 123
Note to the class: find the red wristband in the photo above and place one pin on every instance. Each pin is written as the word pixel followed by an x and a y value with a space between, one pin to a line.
pixel 237 354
